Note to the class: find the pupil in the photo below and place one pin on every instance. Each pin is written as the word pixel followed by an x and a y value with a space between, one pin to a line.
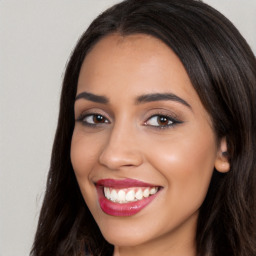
pixel 162 120
pixel 98 119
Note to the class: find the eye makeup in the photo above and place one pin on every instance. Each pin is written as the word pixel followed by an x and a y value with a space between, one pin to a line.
pixel 92 119
pixel 156 121
pixel 161 121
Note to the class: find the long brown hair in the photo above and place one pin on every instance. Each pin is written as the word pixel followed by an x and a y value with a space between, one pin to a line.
pixel 222 69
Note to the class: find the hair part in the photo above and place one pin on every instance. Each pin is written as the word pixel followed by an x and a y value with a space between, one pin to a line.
pixel 222 70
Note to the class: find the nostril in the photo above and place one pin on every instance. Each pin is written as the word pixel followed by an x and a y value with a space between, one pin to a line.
pixel 120 150
pixel 119 158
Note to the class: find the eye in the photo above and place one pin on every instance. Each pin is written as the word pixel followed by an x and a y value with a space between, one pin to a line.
pixel 93 119
pixel 160 121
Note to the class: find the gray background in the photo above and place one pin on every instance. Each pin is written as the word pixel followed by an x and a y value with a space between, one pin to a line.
pixel 36 38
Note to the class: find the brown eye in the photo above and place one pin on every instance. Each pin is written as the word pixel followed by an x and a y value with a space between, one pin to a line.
pixel 94 119
pixel 97 119
pixel 160 121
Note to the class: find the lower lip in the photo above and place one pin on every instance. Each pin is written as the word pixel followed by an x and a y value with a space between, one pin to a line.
pixel 125 209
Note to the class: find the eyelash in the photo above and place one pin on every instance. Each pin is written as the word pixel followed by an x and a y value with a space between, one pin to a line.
pixel 171 121
pixel 82 118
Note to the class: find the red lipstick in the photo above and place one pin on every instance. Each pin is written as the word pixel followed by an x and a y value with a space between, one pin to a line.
pixel 124 208
pixel 125 183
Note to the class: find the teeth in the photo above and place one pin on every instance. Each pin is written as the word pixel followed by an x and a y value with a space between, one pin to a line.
pixel 113 195
pixel 146 193
pixel 128 194
pixel 152 191
pixel 139 194
pixel 121 196
pixel 107 192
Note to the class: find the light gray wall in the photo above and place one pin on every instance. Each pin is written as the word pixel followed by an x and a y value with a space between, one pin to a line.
pixel 36 38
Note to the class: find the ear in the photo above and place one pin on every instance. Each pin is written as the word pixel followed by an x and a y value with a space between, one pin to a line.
pixel 222 162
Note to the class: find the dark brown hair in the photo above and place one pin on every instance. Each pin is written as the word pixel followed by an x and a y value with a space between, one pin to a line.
pixel 222 69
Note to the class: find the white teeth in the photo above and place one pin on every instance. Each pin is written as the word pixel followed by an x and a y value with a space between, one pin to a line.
pixel 121 196
pixel 113 195
pixel 130 196
pixel 126 195
pixel 107 192
pixel 146 192
pixel 139 194
pixel 153 191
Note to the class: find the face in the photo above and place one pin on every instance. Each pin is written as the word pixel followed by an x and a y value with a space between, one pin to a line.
pixel 143 149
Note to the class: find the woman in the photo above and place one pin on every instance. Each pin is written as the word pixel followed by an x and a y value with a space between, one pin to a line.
pixel 154 152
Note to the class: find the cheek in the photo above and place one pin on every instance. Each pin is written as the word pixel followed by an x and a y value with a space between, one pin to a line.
pixel 187 166
pixel 83 154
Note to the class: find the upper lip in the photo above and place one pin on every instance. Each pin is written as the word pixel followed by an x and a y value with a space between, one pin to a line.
pixel 123 183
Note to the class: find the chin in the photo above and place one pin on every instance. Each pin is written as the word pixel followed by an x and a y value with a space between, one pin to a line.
pixel 125 233
pixel 124 240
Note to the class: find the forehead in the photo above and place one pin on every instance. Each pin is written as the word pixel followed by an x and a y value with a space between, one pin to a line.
pixel 122 68
pixel 134 58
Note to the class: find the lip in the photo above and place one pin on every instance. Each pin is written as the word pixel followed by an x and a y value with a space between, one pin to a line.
pixel 124 183
pixel 124 209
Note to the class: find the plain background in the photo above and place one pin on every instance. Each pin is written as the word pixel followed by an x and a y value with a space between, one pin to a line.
pixel 36 38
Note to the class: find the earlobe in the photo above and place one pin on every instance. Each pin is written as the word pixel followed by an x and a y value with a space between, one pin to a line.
pixel 222 161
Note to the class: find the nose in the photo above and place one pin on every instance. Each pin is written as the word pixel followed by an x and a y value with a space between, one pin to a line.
pixel 121 149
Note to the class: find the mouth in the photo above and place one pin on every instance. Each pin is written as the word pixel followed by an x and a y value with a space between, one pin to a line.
pixel 125 197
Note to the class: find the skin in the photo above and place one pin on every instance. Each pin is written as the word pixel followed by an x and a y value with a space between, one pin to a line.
pixel 131 142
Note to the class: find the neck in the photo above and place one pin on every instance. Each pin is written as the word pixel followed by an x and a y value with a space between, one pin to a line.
pixel 163 246
pixel 186 250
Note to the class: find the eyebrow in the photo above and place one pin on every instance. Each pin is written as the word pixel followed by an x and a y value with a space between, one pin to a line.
pixel 139 100
pixel 161 97
pixel 92 97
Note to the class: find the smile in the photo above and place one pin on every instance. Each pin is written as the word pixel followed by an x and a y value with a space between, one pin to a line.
pixel 125 197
